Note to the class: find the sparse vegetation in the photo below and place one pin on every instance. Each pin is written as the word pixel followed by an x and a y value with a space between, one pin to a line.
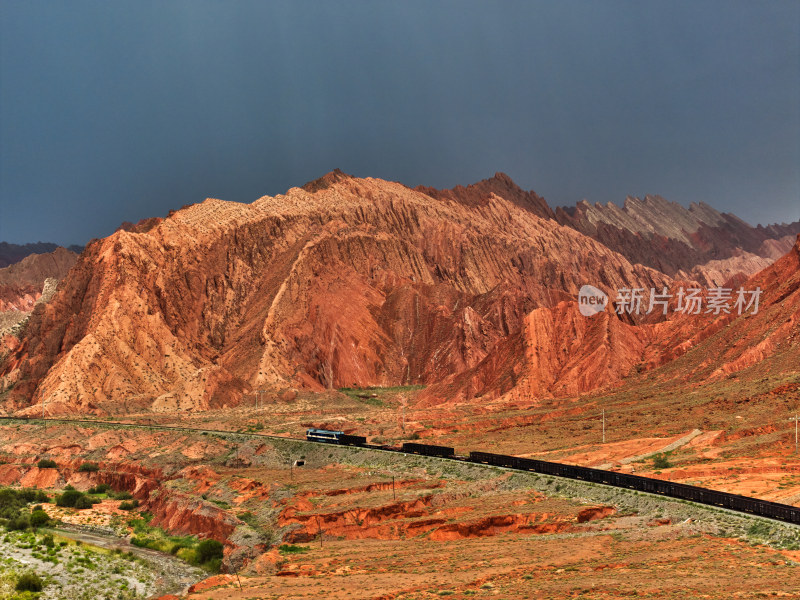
pixel 13 511
pixel 72 498
pixel 29 582
pixel 377 396
pixel 46 463
pixel 292 549
pixel 128 505
pixel 89 467
pixel 102 488
pixel 187 548
pixel 209 550
pixel 661 461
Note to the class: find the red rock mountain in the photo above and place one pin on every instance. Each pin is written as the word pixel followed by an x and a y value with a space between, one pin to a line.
pixel 21 283
pixel 26 283
pixel 13 253
pixel 344 282
pixel 357 282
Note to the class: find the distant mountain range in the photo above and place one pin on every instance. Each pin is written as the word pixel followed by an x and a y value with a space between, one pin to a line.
pixel 12 253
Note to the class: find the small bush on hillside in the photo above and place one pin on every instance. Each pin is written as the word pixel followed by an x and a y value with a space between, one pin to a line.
pixel 89 467
pixel 208 550
pixel 29 582
pixel 101 488
pixel 83 502
pixel 128 505
pixel 214 565
pixel 75 499
pixel 19 523
pixel 46 463
pixel 291 549
pixel 39 518
pixel 68 498
pixel 661 461
pixel 32 495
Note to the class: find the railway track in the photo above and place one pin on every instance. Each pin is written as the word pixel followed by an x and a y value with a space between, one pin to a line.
pixel 670 489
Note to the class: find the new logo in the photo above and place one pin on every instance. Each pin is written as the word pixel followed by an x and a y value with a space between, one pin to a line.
pixel 591 300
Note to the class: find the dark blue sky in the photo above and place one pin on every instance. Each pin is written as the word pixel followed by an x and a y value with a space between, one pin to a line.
pixel 114 111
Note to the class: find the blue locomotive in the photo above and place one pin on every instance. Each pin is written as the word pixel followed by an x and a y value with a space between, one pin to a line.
pixel 335 437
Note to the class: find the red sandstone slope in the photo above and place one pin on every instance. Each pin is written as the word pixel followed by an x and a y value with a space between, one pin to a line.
pixel 559 352
pixel 345 282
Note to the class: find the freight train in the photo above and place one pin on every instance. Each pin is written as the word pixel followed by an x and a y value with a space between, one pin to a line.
pixel 763 508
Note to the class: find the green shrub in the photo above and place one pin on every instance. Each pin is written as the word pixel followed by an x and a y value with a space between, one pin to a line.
pixel 69 498
pixel 214 565
pixel 29 582
pixel 46 463
pixel 89 467
pixel 759 529
pixel 208 550
pixel 290 549
pixel 120 495
pixel 39 518
pixel 661 461
pixel 83 501
pixel 249 518
pixel 18 523
pixel 101 488
pixel 187 554
pixel 128 505
pixel 32 495
pixel 13 501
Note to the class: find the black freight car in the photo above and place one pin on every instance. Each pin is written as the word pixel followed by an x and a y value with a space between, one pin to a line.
pixel 682 491
pixel 428 450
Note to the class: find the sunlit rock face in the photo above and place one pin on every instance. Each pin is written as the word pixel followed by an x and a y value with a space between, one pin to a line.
pixel 343 282
pixel 346 282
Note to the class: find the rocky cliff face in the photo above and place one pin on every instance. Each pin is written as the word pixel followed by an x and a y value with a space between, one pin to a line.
pixel 559 352
pixel 668 237
pixel 345 282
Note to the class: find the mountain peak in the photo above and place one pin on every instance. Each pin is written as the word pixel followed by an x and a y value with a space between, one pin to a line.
pixel 326 181
pixel 498 184
pixel 503 179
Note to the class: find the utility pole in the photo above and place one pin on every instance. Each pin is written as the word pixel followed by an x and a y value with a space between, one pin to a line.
pixel 795 419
